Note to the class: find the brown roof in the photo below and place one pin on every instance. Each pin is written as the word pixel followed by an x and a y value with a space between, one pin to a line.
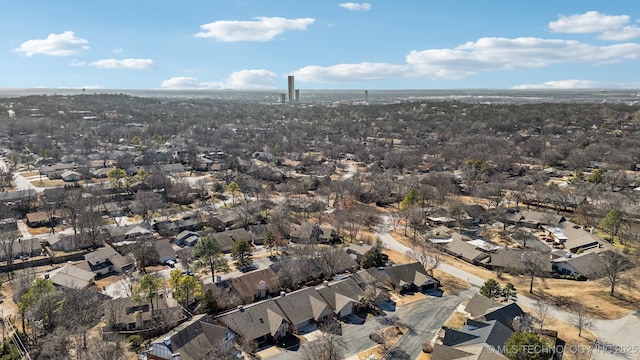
pixel 247 285
pixel 257 320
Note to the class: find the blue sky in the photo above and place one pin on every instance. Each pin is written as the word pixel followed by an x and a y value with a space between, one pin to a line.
pixel 255 44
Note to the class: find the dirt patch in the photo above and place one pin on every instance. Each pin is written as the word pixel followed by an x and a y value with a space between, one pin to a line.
pixel 456 320
pixel 450 284
pixel 397 257
pixel 107 281
pixel 402 300
pixel 391 335
pixel 48 183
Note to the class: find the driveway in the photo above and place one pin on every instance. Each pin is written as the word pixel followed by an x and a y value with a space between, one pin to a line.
pixel 423 318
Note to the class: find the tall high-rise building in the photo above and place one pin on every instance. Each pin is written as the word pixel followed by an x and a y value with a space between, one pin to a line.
pixel 297 97
pixel 366 96
pixel 291 88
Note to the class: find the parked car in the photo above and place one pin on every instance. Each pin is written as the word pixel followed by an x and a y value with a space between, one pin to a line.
pixel 170 263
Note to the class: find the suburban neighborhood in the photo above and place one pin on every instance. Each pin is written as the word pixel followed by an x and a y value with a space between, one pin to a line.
pixel 187 229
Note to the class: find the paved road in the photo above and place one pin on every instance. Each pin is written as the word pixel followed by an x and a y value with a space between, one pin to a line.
pixel 621 332
pixel 424 318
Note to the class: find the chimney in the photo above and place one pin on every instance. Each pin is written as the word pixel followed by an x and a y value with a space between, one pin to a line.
pixel 175 356
pixel 325 283
pixel 283 294
pixel 241 308
pixel 262 286
pixel 218 279
pixel 167 342
pixel 361 242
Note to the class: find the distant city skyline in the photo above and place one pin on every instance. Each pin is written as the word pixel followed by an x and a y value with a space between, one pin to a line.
pixel 257 44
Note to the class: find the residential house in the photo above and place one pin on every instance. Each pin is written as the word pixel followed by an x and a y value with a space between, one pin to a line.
pixel 304 307
pixel 196 339
pixel 114 209
pixel 124 314
pixel 226 218
pixel 187 238
pixel 190 223
pixel 42 218
pixel 71 277
pixel 492 324
pixel 20 248
pixel 298 270
pixel 516 260
pixel 479 305
pixel 8 225
pixel 409 277
pixel 101 173
pixel 56 169
pixel 68 242
pixel 459 247
pixel 263 321
pixel 306 233
pixel 575 239
pixel 343 296
pixel 70 176
pixel 12 197
pixel 357 251
pixel 254 285
pixel 165 250
pixel 534 219
pixel 257 232
pixel 587 265
pixel 126 232
pixel 106 260
pixel 228 238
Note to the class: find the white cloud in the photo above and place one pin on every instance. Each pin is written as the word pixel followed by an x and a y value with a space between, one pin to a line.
pixel 238 80
pixel 622 34
pixel 350 72
pixel 137 64
pixel 577 84
pixel 117 51
pixel 611 27
pixel 356 6
pixel 63 44
pixel 589 22
pixel 485 54
pixel 561 84
pixel 180 82
pixel 91 87
pixel 77 63
pixel 262 29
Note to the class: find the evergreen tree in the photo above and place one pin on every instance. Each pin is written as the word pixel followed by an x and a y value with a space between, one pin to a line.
pixel 491 289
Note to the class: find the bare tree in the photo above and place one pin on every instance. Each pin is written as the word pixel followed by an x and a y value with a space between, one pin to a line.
pixel 145 202
pixel 535 264
pixel 542 317
pixel 579 317
pixel 328 346
pixel 613 270
pixel 428 255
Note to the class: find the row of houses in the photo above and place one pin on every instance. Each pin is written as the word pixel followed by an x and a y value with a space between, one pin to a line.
pixel 567 249
pixel 277 317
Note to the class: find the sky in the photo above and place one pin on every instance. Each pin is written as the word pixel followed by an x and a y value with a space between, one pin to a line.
pixel 325 44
